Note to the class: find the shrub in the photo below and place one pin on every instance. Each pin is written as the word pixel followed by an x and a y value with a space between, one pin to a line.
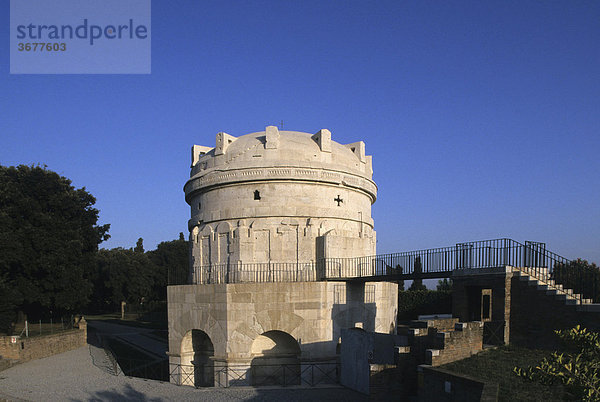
pixel 412 303
pixel 578 368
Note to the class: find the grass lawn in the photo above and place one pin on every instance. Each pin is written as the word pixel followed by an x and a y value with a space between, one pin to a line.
pixel 496 365
pixel 149 321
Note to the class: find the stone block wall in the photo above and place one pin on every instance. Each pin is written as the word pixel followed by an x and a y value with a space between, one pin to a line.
pixel 469 283
pixel 233 316
pixel 522 314
pixel 448 346
pixel 439 385
pixel 535 316
pixel 37 347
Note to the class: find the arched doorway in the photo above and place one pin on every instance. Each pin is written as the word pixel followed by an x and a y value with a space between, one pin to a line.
pixel 275 359
pixel 197 367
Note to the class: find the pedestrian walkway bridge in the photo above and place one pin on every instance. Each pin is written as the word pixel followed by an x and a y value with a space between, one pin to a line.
pixel 442 262
pixel 424 264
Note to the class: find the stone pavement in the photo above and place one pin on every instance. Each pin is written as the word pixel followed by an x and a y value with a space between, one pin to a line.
pixel 84 375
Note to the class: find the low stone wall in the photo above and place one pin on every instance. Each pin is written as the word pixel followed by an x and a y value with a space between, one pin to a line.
pixel 436 384
pixel 37 347
pixel 429 345
pixel 464 341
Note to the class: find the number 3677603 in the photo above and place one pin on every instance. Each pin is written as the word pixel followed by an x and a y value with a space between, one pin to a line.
pixel 42 47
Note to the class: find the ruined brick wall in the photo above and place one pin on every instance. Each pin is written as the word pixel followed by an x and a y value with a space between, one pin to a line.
pixel 26 349
pixel 448 346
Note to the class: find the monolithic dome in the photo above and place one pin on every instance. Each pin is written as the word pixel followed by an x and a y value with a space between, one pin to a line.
pixel 270 211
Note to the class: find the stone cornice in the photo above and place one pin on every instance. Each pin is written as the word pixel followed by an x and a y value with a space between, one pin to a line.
pixel 218 178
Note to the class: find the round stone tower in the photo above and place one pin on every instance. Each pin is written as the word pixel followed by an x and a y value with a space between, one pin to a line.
pixel 278 197
pixel 272 212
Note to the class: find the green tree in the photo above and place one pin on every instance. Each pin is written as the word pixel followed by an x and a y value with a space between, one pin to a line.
pixel 48 239
pixel 581 276
pixel 444 285
pixel 122 275
pixel 171 260
pixel 418 280
pixel 578 368
pixel 139 246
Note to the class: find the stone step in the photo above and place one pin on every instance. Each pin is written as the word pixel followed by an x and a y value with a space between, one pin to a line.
pixel 561 296
pixel 402 349
pixel 431 354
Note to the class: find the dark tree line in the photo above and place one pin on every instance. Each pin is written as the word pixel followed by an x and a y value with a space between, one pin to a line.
pixel 135 276
pixel 49 258
pixel 48 240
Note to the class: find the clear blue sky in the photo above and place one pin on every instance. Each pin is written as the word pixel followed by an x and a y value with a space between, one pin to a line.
pixel 482 118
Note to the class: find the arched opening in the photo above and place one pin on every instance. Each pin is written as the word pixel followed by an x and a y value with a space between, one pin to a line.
pixel 276 359
pixel 197 367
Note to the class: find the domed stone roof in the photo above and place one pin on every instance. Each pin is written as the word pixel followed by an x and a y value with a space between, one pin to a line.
pixel 309 156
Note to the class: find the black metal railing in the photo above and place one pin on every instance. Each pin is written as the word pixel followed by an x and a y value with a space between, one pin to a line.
pixel 150 369
pixel 473 255
pixel 533 257
pixel 308 374
pixel 255 272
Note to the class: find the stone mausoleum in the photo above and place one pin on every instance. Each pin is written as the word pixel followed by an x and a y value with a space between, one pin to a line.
pixel 268 210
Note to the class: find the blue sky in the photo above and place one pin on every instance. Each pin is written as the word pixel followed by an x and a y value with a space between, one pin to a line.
pixel 482 117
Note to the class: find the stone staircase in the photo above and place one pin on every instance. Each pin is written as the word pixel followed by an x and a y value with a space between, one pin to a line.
pixel 541 278
pixel 439 341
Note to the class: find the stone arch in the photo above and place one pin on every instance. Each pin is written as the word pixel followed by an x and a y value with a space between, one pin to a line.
pixel 348 229
pixel 223 227
pixel 197 367
pixel 194 234
pixel 205 245
pixel 206 230
pixel 275 359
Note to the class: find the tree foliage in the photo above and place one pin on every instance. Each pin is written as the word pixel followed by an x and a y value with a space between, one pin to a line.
pixel 444 284
pixel 578 368
pixel 417 283
pixel 581 276
pixel 412 303
pixel 172 259
pixel 48 238
pixel 135 276
pixel 122 275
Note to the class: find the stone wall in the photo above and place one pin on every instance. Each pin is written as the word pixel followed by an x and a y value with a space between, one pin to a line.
pixel 37 347
pixel 467 288
pixel 462 342
pixel 535 316
pixel 521 313
pixel 448 342
pixel 233 316
pixel 437 384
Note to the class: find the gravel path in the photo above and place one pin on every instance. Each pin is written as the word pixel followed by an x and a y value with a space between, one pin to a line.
pixel 85 374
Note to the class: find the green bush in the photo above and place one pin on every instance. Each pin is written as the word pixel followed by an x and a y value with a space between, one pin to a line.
pixel 412 303
pixel 578 368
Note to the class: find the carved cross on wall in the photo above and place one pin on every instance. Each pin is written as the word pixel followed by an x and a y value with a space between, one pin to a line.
pixel 338 200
